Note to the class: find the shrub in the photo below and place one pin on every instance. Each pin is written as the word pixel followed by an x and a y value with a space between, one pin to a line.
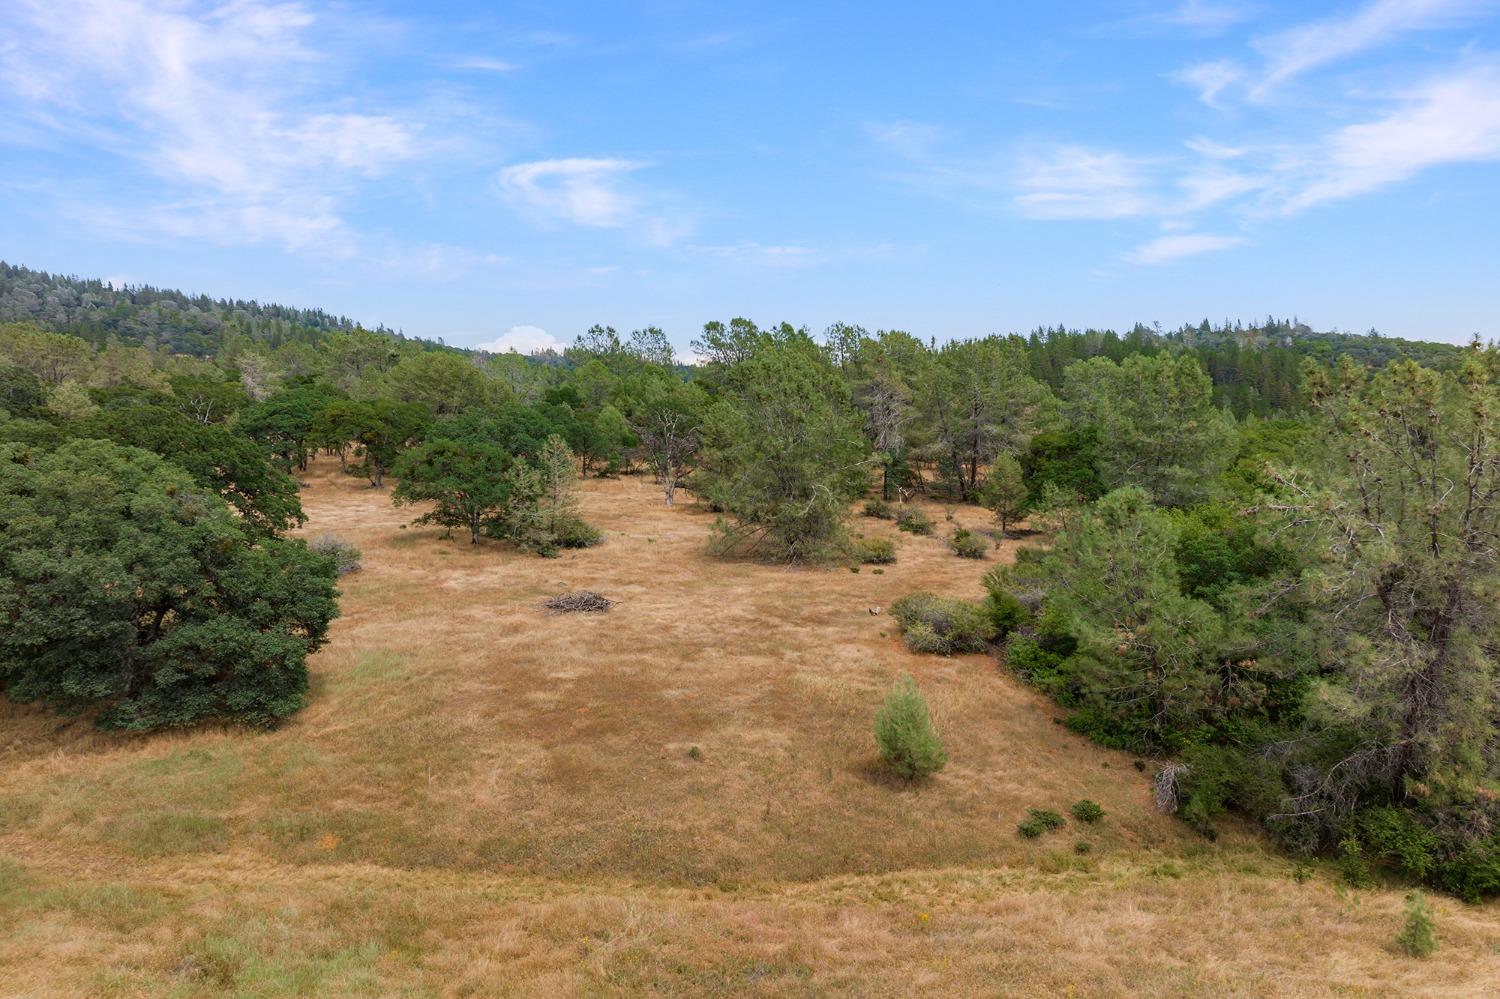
pixel 1005 610
pixel 903 730
pixel 1352 864
pixel 1032 662
pixel 880 509
pixel 1039 821
pixel 912 520
pixel 967 544
pixel 942 626
pixel 1416 938
pixel 346 557
pixel 875 551
pixel 1397 838
pixel 574 532
pixel 1087 811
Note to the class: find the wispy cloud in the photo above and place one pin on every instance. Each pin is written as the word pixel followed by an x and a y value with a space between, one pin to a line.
pixel 594 193
pixel 482 64
pixel 585 192
pixel 773 255
pixel 1285 55
pixel 1205 15
pixel 1297 50
pixel 1210 79
pixel 1451 119
pixel 1165 249
pixel 1075 182
pixel 224 105
pixel 1044 181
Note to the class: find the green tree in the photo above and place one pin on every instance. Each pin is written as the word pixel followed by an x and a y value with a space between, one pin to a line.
pixel 559 479
pixel 1146 666
pixel 670 431
pixel 442 381
pixel 783 453
pixel 22 394
pixel 467 482
pixel 1162 430
pixel 1004 491
pixel 284 421
pixel 386 429
pixel 1406 573
pixel 130 591
pixel 908 741
pixel 980 402
pixel 70 401
pixel 215 455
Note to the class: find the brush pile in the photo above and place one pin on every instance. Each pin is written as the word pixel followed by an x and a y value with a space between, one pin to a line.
pixel 580 601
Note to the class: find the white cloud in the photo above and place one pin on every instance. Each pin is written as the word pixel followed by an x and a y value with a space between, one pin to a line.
pixel 1454 119
pixel 1074 182
pixel 1165 249
pixel 770 255
pixel 911 139
pixel 1288 54
pixel 1297 50
pixel 1210 79
pixel 1213 184
pixel 483 64
pixel 225 104
pixel 593 193
pixel 1205 16
pixel 522 340
pixel 1215 150
pixel 582 191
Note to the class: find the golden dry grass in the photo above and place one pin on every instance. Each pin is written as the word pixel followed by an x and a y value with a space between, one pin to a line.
pixel 484 798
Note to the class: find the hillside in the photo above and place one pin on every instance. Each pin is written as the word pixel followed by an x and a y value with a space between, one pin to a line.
pixel 140 314
pixel 483 798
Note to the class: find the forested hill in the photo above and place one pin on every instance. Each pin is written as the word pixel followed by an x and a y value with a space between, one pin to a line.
pixel 1256 367
pixel 157 317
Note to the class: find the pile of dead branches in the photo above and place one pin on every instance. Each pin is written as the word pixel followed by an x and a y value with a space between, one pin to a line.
pixel 580 601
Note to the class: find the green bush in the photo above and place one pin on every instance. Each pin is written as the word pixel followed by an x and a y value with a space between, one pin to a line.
pixel 912 520
pixel 1039 821
pixel 946 627
pixel 880 509
pixel 1395 837
pixel 346 557
pixel 1005 610
pixel 967 544
pixel 903 730
pixel 1473 873
pixel 1087 811
pixel 1006 613
pixel 574 532
pixel 1352 864
pixel 875 551
pixel 1034 663
pixel 1417 938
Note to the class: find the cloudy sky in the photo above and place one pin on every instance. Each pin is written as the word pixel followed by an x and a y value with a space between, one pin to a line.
pixel 511 173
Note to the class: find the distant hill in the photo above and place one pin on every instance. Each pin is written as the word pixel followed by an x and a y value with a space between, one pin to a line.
pixel 141 314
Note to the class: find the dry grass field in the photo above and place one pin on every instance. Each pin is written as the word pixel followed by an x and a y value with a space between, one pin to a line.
pixel 484 798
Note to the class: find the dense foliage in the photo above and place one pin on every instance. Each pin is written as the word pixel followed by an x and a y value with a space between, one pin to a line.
pixel 129 590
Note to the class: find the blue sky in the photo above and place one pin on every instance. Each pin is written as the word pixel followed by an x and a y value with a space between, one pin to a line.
pixel 508 174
